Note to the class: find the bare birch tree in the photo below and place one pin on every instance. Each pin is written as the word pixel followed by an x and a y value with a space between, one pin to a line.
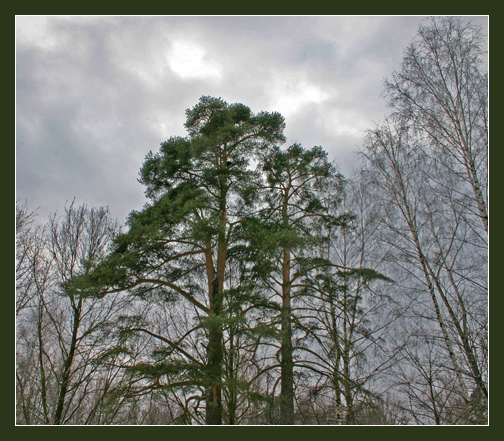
pixel 441 88
pixel 433 248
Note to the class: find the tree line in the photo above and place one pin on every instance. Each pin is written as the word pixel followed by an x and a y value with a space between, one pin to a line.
pixel 259 286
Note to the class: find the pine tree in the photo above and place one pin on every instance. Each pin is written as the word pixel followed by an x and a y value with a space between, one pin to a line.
pixel 282 245
pixel 200 187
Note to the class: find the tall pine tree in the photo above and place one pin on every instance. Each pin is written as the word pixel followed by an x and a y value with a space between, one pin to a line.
pixel 200 187
pixel 282 244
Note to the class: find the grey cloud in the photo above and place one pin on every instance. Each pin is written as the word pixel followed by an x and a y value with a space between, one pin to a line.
pixel 95 94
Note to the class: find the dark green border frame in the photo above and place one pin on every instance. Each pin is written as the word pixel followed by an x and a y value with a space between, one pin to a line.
pixel 278 433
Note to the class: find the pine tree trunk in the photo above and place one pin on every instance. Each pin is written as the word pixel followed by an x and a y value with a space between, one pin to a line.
pixel 215 358
pixel 215 335
pixel 287 365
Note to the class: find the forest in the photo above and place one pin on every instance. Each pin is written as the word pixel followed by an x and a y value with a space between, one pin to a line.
pixel 260 286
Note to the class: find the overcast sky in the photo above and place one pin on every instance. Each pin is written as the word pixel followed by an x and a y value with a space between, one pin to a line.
pixel 95 94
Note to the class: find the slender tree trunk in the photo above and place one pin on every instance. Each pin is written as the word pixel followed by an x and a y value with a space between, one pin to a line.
pixel 478 193
pixel 348 314
pixel 449 346
pixel 425 269
pixel 68 364
pixel 287 366
pixel 432 395
pixel 337 362
pixel 231 382
pixel 215 358
pixel 43 381
pixel 467 347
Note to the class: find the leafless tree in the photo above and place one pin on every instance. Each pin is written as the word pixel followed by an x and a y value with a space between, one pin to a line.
pixel 67 351
pixel 346 312
pixel 32 267
pixel 442 90
pixel 433 243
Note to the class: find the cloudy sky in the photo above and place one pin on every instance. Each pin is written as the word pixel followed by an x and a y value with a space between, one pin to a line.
pixel 95 93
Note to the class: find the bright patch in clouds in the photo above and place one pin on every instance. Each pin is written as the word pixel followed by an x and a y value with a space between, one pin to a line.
pixel 190 61
pixel 291 96
pixel 341 122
